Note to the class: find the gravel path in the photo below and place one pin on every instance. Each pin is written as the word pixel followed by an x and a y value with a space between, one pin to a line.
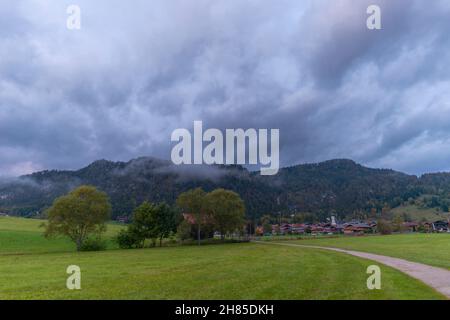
pixel 437 278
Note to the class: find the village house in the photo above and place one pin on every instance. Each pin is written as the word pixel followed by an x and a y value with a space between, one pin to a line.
pixel 352 227
pixel 410 226
pixel 259 231
pixel 285 229
pixel 356 228
pixel 440 226
pixel 190 218
pixel 298 228
pixel 123 219
pixel 437 226
pixel 301 228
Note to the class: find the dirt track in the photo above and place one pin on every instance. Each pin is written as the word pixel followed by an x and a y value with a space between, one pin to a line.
pixel 437 278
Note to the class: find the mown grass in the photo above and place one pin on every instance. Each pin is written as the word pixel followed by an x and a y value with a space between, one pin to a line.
pixel 32 267
pixel 230 271
pixel 432 249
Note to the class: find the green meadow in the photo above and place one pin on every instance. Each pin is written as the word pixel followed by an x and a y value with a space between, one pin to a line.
pixel 418 213
pixel 32 267
pixel 24 236
pixel 427 248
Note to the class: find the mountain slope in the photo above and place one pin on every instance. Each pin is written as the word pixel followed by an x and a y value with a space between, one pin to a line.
pixel 336 185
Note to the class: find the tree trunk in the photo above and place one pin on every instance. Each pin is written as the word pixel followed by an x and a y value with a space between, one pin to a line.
pixel 160 242
pixel 79 244
pixel 198 234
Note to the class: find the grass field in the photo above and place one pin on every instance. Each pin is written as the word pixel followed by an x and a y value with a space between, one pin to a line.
pixel 232 271
pixel 32 267
pixel 24 236
pixel 417 213
pixel 432 249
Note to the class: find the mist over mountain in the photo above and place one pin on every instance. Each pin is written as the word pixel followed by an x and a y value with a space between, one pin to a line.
pixel 340 186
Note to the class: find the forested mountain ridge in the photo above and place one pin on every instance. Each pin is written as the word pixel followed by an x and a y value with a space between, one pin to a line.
pixel 340 186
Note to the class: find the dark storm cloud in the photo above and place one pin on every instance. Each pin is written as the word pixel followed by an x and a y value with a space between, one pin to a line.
pixel 138 70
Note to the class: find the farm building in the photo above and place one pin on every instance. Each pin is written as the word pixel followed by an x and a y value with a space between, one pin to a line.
pixel 123 219
pixel 359 228
pixel 410 226
pixel 440 226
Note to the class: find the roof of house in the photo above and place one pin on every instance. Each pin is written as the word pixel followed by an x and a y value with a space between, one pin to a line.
pixel 410 224
pixel 357 225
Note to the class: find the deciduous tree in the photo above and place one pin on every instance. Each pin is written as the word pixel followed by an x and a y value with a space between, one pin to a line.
pixel 193 202
pixel 79 214
pixel 166 221
pixel 227 210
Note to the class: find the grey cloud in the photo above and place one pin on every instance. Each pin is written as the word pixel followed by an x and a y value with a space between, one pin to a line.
pixel 136 71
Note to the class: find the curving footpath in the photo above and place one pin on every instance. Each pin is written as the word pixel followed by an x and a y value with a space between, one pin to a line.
pixel 435 277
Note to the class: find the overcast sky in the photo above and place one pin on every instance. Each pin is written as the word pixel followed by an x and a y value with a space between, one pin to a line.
pixel 137 70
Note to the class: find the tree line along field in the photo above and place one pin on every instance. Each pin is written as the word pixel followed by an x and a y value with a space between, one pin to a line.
pixel 32 267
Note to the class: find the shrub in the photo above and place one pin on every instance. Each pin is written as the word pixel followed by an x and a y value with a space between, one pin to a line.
pixel 172 238
pixel 384 227
pixel 184 230
pixel 93 244
pixel 127 239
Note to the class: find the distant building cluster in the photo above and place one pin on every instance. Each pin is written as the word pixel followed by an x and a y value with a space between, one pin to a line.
pixel 353 227
pixel 348 228
pixel 438 226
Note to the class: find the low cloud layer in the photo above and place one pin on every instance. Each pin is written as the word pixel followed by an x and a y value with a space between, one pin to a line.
pixel 136 71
